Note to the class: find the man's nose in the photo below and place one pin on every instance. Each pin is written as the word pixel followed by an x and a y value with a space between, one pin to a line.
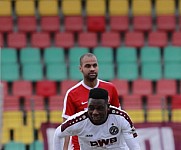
pixel 95 111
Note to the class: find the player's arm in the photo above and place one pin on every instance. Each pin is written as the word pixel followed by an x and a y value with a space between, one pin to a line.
pixel 66 140
pixel 58 139
pixel 133 144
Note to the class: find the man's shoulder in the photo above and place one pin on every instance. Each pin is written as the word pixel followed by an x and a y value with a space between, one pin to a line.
pixel 106 83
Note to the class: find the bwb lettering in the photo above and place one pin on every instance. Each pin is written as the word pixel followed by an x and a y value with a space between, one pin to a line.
pixel 102 142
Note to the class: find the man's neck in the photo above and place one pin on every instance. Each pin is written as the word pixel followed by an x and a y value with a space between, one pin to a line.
pixel 91 84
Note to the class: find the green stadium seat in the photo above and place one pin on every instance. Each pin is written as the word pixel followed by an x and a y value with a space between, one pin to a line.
pixel 151 71
pixel 54 55
pixel 126 54
pixel 10 72
pixel 127 71
pixel 14 146
pixel 172 54
pixel 8 55
pixel 37 145
pixel 150 54
pixel 32 72
pixel 30 55
pixel 74 72
pixel 172 70
pixel 56 71
pixel 104 54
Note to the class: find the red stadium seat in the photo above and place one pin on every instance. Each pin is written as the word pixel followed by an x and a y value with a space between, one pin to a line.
pixel 134 39
pixel 142 87
pixel 176 38
pixel 46 88
pixel 5 87
pixel 166 23
pixel 73 23
pixel 50 23
pixel 121 86
pixel 96 23
pixel 119 23
pixel 16 40
pixel 180 22
pixel 1 40
pixel 65 85
pixel 158 39
pixel 166 87
pixel 64 39
pixel 34 102
pixel 22 88
pixel 87 39
pixel 110 39
pixel 56 102
pixel 142 23
pixel 176 102
pixel 6 24
pixel 27 24
pixel 11 103
pixel 40 40
pixel 131 102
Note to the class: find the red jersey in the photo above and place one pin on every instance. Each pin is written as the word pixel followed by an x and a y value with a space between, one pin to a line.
pixel 76 100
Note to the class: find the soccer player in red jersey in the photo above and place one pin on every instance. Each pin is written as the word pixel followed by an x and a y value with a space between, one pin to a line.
pixel 76 97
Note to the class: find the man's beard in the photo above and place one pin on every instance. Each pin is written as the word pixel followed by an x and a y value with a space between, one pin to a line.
pixel 91 78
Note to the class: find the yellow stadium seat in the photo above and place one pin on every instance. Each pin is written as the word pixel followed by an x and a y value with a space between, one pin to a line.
pixel 5 135
pixel 71 7
pixel 176 113
pixel 137 115
pixel 118 7
pixel 5 8
pixel 56 117
pixel 141 7
pixel 25 8
pixel 95 7
pixel 157 115
pixel 24 134
pixel 165 7
pixel 48 8
pixel 12 119
pixel 39 117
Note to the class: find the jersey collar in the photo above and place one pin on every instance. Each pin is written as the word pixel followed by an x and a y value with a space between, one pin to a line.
pixel 89 88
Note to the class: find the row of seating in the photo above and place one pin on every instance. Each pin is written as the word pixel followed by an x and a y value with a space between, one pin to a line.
pixel 91 7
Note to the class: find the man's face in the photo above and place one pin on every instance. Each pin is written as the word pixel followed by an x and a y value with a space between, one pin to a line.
pixel 89 68
pixel 97 111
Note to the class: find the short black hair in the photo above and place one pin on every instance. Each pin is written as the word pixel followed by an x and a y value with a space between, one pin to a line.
pixel 98 93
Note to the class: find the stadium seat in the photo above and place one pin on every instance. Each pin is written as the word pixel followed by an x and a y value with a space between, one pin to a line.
pixel 6 24
pixel 5 135
pixel 157 39
pixel 48 8
pixel 55 116
pixel 96 23
pixel 137 115
pixel 179 11
pixel 73 23
pixel 172 54
pixel 16 40
pixel 142 87
pixel 50 24
pixel 134 39
pixel 40 40
pixel 172 71
pixel 132 102
pixel 127 71
pixel 176 115
pixel 64 40
pixel 32 72
pixel 71 8
pixel 10 72
pixel 11 103
pixel 104 54
pixel 151 71
pixel 46 88
pixel 1 40
pixel 15 146
pixel 5 8
pixel 53 55
pixel 34 102
pixel 166 87
pixel 9 55
pixel 30 55
pixel 110 39
pixel 176 38
pixel 27 24
pixel 87 39
pixel 37 145
pixel 157 115
pixel 65 85
pixel 25 8
pixel 22 88
pixel 5 87
pixel 122 86
pixel 150 54
pixel 56 102
pixel 126 55
pixel 176 101
pixel 119 23
pixel 56 71
pixel 74 72
pixel 115 5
